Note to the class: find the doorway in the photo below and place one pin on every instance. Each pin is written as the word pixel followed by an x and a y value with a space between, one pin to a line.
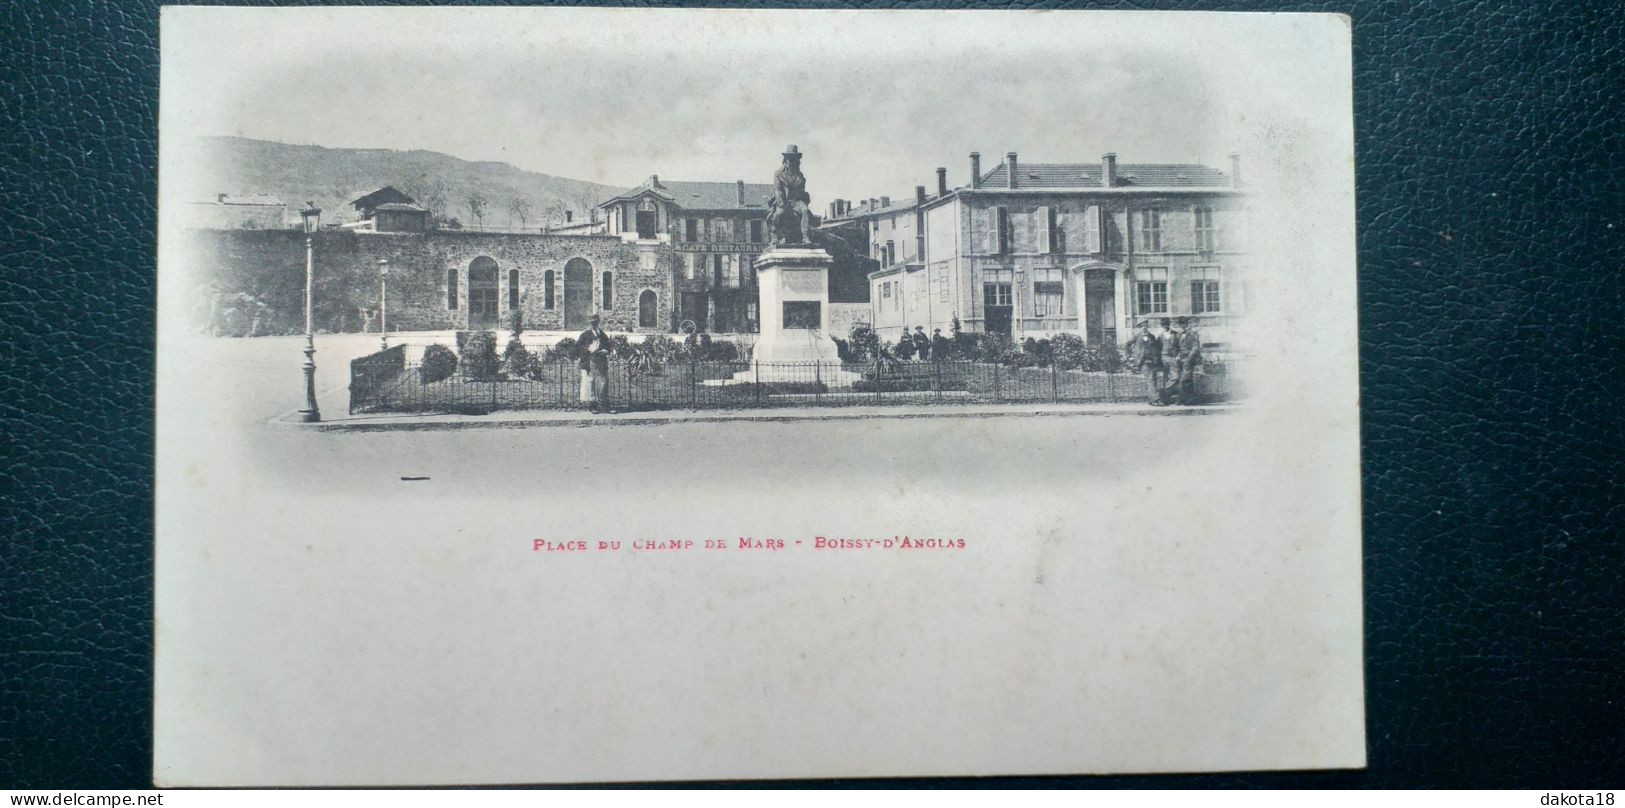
pixel 483 300
pixel 577 293
pixel 1100 306
pixel 647 220
pixel 646 309
pixel 999 304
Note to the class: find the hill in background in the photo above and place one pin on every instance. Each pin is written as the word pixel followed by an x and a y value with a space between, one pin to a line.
pixel 439 182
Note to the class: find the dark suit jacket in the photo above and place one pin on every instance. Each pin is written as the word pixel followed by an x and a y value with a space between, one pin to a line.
pixel 590 360
pixel 1145 350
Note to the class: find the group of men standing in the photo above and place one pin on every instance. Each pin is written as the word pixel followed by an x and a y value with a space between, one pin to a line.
pixel 918 345
pixel 1169 360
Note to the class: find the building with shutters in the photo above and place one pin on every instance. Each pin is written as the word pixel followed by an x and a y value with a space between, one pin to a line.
pixel 714 231
pixel 1030 250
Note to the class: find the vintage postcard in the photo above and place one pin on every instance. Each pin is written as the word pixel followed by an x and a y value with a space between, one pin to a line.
pixel 597 395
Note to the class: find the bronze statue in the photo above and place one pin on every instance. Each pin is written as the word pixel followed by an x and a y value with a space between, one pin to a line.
pixel 789 218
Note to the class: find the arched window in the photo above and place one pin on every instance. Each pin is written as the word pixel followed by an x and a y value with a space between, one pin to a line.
pixel 484 292
pixel 547 290
pixel 451 289
pixel 609 291
pixel 513 289
pixel 646 309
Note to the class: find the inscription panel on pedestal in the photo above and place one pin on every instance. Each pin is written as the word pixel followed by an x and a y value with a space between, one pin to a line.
pixel 804 281
pixel 803 314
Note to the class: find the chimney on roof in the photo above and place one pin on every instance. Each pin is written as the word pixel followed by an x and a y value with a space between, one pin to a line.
pixel 1010 170
pixel 975 169
pixel 1108 169
pixel 654 180
pixel 568 215
pixel 739 188
pixel 1235 170
pixel 942 181
pixel 919 194
pixel 885 201
pixel 874 204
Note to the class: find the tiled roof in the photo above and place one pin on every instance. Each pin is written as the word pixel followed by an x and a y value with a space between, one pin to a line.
pixel 401 206
pixel 1087 175
pixel 704 195
pixel 370 198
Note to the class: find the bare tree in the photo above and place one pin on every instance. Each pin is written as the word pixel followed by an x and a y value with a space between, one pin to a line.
pixel 476 207
pixel 434 199
pixel 554 213
pixel 519 208
pixel 585 200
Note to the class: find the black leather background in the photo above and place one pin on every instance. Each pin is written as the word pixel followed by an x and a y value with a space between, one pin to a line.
pixel 1492 211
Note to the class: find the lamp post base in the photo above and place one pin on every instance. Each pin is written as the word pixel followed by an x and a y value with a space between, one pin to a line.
pixel 311 413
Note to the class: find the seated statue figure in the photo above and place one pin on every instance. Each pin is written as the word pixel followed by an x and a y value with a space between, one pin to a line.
pixel 789 217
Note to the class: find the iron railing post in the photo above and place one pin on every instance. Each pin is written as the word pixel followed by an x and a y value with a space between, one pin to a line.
pixel 818 383
pixel 758 385
pixel 937 372
pixel 998 395
pixel 1055 381
pixel 693 385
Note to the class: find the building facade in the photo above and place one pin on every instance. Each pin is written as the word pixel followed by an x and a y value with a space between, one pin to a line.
pixel 443 279
pixel 713 232
pixel 1036 249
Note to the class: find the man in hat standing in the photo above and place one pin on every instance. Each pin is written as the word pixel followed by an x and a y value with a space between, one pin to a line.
pixel 1145 354
pixel 592 354
pixel 1190 358
pixel 922 343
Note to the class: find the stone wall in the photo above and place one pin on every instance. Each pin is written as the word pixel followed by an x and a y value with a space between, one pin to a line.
pixel 253 281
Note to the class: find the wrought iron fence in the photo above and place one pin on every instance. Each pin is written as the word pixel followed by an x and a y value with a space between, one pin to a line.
pixel 391 386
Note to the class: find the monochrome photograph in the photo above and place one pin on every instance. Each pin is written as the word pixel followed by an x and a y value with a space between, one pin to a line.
pixel 603 395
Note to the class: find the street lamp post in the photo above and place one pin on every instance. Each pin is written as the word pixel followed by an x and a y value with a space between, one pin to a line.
pixel 312 216
pixel 383 304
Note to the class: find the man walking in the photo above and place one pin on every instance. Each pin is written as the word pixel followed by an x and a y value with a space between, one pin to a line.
pixel 1146 354
pixel 922 343
pixel 592 353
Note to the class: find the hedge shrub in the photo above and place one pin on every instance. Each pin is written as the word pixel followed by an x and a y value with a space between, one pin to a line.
pixel 438 364
pixel 479 360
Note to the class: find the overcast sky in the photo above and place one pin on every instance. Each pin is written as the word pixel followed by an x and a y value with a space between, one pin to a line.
pixel 875 100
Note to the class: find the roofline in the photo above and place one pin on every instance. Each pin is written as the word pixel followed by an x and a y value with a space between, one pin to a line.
pixel 1114 190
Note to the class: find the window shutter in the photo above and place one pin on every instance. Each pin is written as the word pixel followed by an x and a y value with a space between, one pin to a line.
pixel 1046 229
pixel 982 226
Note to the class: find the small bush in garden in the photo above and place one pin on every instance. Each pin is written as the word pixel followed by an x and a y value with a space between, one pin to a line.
pixel 438 364
pixel 863 344
pixel 479 360
pixel 562 351
pixel 721 351
pixel 520 363
pixel 1068 351
pixel 663 349
pixel 1019 359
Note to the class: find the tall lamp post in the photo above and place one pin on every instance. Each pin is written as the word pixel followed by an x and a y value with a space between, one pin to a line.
pixel 312 216
pixel 383 304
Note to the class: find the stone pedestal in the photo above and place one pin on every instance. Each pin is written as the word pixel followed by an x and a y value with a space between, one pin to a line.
pixel 794 289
